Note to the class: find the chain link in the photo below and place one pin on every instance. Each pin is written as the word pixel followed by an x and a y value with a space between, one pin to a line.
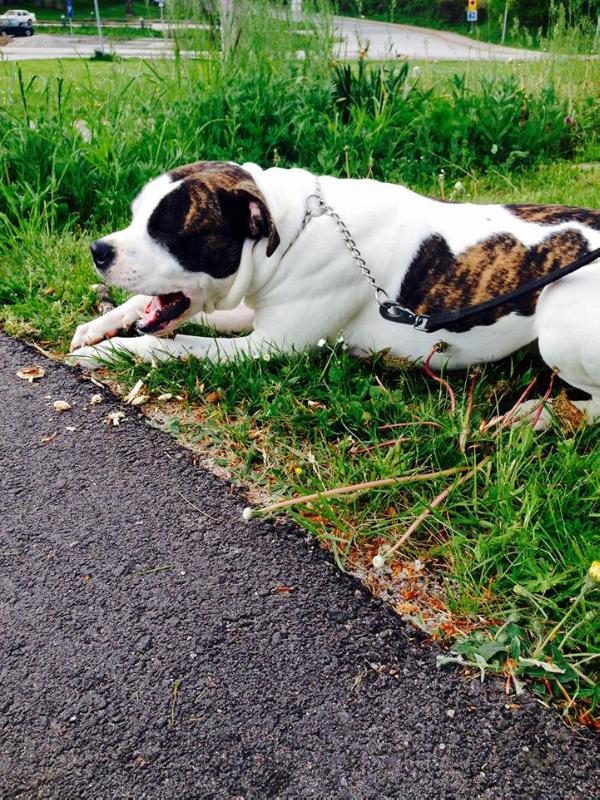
pixel 316 207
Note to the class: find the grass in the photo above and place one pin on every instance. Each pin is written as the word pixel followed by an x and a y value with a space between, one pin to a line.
pixel 109 11
pixel 512 545
pixel 122 32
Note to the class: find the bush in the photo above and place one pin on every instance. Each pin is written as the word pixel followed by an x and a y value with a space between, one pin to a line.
pixel 343 119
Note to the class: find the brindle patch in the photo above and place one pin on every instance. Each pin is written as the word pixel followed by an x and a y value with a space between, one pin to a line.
pixel 554 215
pixel 438 281
pixel 205 220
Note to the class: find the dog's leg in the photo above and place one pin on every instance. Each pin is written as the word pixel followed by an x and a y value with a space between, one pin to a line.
pixel 152 349
pixel 568 327
pixel 109 325
pixel 236 320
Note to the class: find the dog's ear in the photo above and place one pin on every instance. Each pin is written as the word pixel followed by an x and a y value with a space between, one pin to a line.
pixel 247 213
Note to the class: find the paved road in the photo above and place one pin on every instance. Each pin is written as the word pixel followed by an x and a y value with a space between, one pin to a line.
pixel 49 46
pixel 382 39
pixel 385 40
pixel 151 649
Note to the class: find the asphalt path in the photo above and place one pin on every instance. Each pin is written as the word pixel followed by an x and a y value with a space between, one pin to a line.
pixel 380 39
pixel 155 645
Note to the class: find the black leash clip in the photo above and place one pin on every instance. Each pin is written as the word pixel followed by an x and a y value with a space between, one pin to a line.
pixel 394 312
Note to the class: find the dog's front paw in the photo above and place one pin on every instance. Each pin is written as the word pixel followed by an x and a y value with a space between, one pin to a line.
pixel 148 348
pixel 90 333
pixel 96 355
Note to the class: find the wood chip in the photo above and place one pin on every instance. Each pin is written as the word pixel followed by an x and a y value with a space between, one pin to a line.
pixel 31 374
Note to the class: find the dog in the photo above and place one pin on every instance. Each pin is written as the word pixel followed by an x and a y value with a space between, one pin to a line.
pixel 238 248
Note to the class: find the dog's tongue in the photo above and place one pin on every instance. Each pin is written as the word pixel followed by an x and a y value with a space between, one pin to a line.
pixel 154 309
pixel 162 309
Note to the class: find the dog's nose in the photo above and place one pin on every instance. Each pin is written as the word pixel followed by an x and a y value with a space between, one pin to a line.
pixel 103 254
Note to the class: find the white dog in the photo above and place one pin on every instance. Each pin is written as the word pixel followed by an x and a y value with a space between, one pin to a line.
pixel 249 248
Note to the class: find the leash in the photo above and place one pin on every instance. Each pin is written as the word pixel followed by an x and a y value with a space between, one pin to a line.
pixel 315 206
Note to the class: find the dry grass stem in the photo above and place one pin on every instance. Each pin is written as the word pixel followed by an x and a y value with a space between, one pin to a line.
pixel 356 487
pixel 434 504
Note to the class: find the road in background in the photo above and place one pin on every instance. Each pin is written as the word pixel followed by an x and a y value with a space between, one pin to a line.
pixel 380 39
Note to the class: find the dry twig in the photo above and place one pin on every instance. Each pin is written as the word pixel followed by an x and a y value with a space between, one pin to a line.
pixel 355 487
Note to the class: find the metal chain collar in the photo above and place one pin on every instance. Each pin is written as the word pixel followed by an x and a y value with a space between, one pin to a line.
pixel 316 206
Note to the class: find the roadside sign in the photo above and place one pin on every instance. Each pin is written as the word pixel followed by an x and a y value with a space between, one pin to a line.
pixel 472 5
pixel 471 16
pixel 69 9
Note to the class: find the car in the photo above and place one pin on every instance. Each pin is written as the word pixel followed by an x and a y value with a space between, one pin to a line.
pixel 17 22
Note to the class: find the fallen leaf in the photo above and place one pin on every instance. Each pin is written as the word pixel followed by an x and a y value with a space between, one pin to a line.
pixel 283 589
pixel 139 400
pixel 31 374
pixel 61 405
pixel 48 439
pixel 166 396
pixel 134 392
pixel 115 417
pixel 213 397
pixel 96 399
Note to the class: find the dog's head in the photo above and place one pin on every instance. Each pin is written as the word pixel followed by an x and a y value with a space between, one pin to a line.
pixel 185 240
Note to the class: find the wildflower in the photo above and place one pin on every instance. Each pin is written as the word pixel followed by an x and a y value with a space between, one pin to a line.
pixel 321 343
pixel 494 149
pixel 83 129
pixel 298 470
pixel 247 513
pixel 594 572
pixel 569 120
pixel 378 562
pixel 458 187
pixel 340 339
pixel 32 125
pixel 266 357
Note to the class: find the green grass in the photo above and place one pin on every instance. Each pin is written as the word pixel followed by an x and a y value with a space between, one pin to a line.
pixel 513 545
pixel 109 11
pixel 123 32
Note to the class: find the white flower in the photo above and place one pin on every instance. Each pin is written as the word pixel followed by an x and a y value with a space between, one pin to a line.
pixel 321 343
pixel 340 339
pixel 247 513
pixel 378 562
pixel 266 357
pixel 83 129
pixel 458 186
pixel 494 149
pixel 32 125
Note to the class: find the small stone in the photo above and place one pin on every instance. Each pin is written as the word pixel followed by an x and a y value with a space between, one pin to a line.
pixel 450 712
pixel 276 638
pixel 143 644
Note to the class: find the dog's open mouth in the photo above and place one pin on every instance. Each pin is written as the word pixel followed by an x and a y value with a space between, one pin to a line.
pixel 161 311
